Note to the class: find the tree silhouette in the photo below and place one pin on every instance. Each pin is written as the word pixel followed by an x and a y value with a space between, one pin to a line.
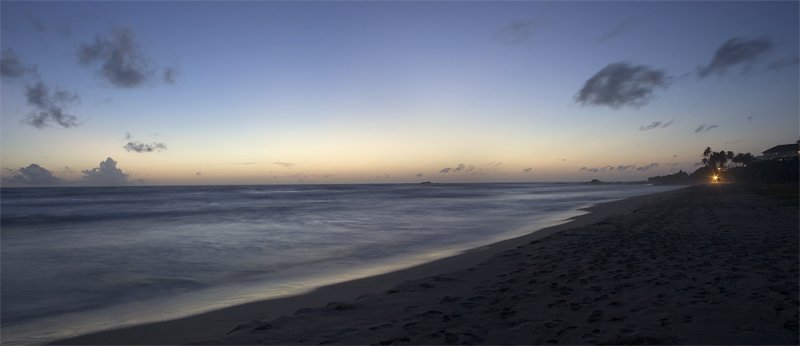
pixel 706 155
pixel 737 160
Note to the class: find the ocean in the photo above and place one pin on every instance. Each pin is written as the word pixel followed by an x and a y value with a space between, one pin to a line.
pixel 82 259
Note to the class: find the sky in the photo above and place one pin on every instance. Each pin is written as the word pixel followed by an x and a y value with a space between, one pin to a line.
pixel 106 93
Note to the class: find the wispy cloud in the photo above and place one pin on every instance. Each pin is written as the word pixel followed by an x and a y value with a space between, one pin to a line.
pixel 284 164
pixel 122 63
pixel 35 23
pixel 50 107
pixel 621 84
pixel 140 147
pixel 646 168
pixel 527 170
pixel 622 168
pixel 783 63
pixel 105 174
pixel 32 175
pixel 170 74
pixel 656 125
pixel 12 66
pixel 736 52
pixel 623 26
pixel 590 169
pixel 419 175
pixel 704 128
pixel 521 31
pixel 472 169
pixel 618 168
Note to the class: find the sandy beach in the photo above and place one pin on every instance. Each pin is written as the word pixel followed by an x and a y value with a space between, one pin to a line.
pixel 710 264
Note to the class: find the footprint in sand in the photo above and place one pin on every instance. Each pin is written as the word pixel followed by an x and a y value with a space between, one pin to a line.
pixel 552 323
pixel 596 315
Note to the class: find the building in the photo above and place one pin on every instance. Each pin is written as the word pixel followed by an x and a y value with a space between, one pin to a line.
pixel 780 152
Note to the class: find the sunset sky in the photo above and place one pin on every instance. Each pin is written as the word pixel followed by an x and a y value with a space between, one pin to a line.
pixel 358 92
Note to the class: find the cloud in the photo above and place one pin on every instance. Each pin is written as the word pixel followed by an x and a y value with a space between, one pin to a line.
pixel 419 175
pixel 783 63
pixel 520 31
pixel 198 174
pixel 284 164
pixel 621 84
pixel 471 169
pixel 140 147
pixel 735 52
pixel 704 128
pixel 656 125
pixel 37 24
pixel 32 175
pixel 12 66
pixel 527 170
pixel 120 59
pixel 593 170
pixel 618 168
pixel 622 168
pixel 170 74
pixel 49 107
pixel 105 174
pixel 622 27
pixel 648 167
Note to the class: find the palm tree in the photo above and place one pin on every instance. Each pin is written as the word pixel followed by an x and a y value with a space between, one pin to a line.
pixel 717 161
pixel 747 159
pixel 706 155
pixel 722 159
pixel 738 159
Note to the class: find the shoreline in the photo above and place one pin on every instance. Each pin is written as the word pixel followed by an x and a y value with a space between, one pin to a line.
pixel 208 325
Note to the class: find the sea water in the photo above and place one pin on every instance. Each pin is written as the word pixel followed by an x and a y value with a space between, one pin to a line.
pixel 81 259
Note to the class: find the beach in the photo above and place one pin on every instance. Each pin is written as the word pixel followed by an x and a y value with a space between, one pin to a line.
pixel 708 264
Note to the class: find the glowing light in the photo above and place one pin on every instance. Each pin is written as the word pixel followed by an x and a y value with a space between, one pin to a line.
pixel 714 179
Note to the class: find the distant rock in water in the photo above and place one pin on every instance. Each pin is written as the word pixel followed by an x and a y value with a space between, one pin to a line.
pixel 595 181
pixel 426 182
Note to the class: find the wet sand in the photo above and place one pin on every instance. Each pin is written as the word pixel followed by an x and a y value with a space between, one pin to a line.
pixel 703 265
